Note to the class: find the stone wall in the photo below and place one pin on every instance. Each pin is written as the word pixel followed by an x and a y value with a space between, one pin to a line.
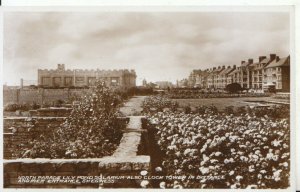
pixel 107 166
pixel 125 163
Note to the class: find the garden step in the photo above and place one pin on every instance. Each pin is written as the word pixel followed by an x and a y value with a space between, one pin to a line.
pixel 131 138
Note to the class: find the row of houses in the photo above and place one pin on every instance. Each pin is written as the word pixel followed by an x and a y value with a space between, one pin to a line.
pixel 267 72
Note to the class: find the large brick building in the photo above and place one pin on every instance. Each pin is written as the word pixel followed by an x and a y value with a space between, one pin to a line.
pixel 266 73
pixel 61 77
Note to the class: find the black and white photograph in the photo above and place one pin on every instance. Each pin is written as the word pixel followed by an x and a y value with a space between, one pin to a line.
pixel 180 99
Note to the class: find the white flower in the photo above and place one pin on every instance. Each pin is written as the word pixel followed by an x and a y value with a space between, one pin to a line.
pixel 285 146
pixel 158 169
pixel 226 161
pixel 144 172
pixel 285 164
pixel 251 168
pixel 162 185
pixel 265 139
pixel 276 143
pixel 213 161
pixel 231 173
pixel 144 183
pixel 204 170
pixel 270 156
pixel 218 153
pixel 239 177
pixel 257 152
pixel 276 175
pixel 187 151
pixel 259 176
pixel 263 171
pixel 275 158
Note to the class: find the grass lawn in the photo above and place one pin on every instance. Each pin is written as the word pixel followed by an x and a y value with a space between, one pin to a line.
pixel 221 103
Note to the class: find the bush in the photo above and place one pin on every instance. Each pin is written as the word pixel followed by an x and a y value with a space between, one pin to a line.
pixel 233 88
pixel 91 130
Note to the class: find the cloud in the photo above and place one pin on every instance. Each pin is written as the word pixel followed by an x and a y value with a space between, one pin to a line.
pixel 159 46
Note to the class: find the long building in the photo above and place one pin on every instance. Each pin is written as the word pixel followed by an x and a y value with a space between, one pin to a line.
pixel 60 77
pixel 266 73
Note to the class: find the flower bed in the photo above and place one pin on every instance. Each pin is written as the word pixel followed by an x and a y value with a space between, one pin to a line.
pixel 224 150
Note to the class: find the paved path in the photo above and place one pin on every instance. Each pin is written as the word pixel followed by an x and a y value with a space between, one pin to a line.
pixel 133 106
pixel 132 137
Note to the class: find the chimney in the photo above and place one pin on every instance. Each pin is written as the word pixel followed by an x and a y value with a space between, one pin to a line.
pixel 223 67
pixel 261 58
pixel 219 67
pixel 228 67
pixel 214 68
pixel 250 61
pixel 242 62
pixel 272 57
pixel 277 58
pixel 234 66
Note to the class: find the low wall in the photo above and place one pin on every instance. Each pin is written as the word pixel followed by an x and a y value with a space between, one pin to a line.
pixel 75 168
pixel 40 96
pixel 121 170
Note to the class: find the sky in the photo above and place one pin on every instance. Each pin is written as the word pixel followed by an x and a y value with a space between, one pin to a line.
pixel 159 46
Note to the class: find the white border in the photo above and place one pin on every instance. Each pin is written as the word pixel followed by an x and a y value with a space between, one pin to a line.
pixel 172 6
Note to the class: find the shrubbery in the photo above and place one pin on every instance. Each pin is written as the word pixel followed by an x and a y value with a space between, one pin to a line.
pixel 91 131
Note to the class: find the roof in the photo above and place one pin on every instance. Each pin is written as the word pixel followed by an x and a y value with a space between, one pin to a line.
pixel 257 66
pixel 245 64
pixel 226 71
pixel 216 71
pixel 283 62
pixel 234 71
pixel 266 60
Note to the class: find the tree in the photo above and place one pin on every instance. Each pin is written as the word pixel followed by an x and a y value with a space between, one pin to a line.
pixel 233 88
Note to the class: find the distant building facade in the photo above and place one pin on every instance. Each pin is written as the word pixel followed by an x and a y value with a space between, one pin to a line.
pixel 261 75
pixel 61 77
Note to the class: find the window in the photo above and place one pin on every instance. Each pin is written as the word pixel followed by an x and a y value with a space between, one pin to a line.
pixel 68 81
pixel 56 81
pixel 46 81
pixel 79 81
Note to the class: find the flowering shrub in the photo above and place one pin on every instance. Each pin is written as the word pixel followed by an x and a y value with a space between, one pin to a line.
pixel 91 130
pixel 224 151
